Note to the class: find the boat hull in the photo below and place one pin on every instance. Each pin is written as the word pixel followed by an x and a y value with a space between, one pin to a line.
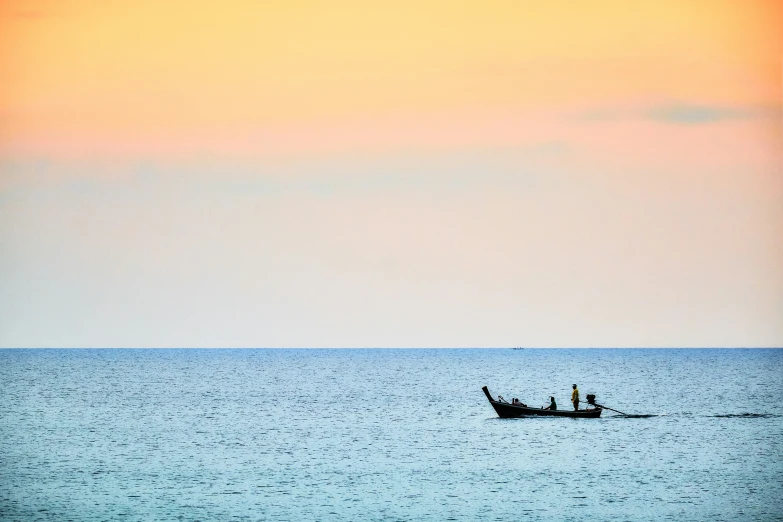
pixel 510 411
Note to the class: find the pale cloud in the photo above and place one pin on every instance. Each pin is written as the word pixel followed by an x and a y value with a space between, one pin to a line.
pixel 695 114
pixel 675 112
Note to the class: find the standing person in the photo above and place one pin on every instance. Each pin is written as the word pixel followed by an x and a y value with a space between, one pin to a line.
pixel 575 397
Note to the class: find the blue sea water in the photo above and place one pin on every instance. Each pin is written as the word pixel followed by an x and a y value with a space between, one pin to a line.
pixel 388 435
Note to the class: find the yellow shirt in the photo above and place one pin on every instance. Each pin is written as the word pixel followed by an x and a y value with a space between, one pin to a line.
pixel 575 395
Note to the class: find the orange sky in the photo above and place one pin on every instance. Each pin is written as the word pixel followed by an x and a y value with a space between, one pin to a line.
pixel 168 78
pixel 402 173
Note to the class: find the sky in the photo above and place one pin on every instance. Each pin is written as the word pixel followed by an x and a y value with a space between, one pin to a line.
pixel 391 174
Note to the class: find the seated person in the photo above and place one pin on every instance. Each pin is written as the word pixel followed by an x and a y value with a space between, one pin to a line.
pixel 552 404
pixel 516 402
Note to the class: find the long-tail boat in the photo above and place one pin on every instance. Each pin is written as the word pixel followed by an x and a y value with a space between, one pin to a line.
pixel 507 410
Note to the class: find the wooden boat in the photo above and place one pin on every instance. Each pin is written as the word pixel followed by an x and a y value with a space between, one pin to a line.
pixel 507 410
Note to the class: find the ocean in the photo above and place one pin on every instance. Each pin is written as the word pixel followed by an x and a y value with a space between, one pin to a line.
pixel 388 434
